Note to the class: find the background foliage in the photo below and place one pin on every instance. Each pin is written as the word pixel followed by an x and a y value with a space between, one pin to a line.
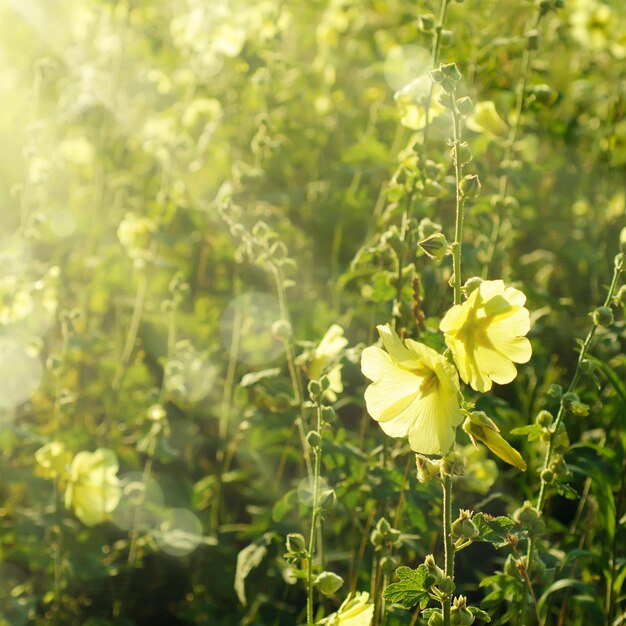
pixel 179 176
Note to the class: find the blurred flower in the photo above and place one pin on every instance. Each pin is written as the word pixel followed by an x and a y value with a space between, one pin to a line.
pixel 412 99
pixel 486 334
pixel 485 119
pixel 16 301
pixel 134 234
pixel 415 391
pixel 93 489
pixel 326 352
pixel 356 610
pixel 53 460
pixel 482 428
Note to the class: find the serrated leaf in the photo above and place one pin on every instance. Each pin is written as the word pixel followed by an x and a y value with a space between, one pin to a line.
pixel 249 558
pixel 412 587
pixel 479 614
pixel 493 529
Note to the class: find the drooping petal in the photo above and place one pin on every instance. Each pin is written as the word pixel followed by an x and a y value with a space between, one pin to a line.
pixel 393 345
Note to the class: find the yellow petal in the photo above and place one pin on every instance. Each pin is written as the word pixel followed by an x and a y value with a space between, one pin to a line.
pixel 501 447
pixel 495 365
pixel 393 345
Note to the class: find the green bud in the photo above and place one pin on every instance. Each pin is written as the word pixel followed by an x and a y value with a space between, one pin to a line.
pixel 446 586
pixel 295 543
pixel 579 408
pixel 603 316
pixel 569 398
pixel 324 383
pixel 426 22
pixel 465 106
pixel 587 367
pixel 314 440
pixel 619 261
pixel 460 615
pixel 448 76
pixel 453 464
pixel 555 391
pixel 327 500
pixel 328 583
pixel 543 94
pixel 621 296
pixel 544 6
pixel 436 619
pixel 446 100
pixel 435 246
pixel 281 329
pixel 328 414
pixel 464 153
pixel 470 186
pixel 432 169
pixel 533 39
pixel 314 389
pixel 433 189
pixel 433 569
pixel 427 469
pixel 463 527
pixel 471 284
pixel 544 419
pixel 547 476
pixel 529 518
pixel 389 564
pixel 447 38
pixel 450 71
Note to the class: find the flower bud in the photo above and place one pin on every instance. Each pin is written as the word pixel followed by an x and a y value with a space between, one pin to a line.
pixel 327 500
pixel 471 284
pixel 621 296
pixel 463 527
pixel 435 246
pixel 433 569
pixel 427 469
pixel 314 440
pixel 436 619
pixel 603 316
pixel 447 37
pixel 465 106
pixel 543 94
pixel 324 383
pixel 460 615
pixel 281 329
pixel 314 389
pixel 533 39
pixel 544 419
pixel 295 543
pixel 453 464
pixel 328 414
pixel 427 227
pixel 470 186
pixel 529 518
pixel 328 583
pixel 569 398
pixel 426 22
pixel 464 153
pixel 555 391
pixel 547 476
pixel 389 564
pixel 447 76
pixel 446 100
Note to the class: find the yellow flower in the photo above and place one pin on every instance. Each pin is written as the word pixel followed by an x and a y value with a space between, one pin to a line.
pixel 328 350
pixel 486 334
pixel 356 610
pixel 415 392
pixel 93 489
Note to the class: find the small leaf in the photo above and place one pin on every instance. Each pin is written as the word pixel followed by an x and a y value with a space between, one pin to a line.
pixel 493 529
pixel 479 614
pixel 412 587
pixel 249 558
pixel 254 377
pixel 532 431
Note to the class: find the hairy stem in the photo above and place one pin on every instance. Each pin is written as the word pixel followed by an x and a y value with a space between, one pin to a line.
pixel 448 547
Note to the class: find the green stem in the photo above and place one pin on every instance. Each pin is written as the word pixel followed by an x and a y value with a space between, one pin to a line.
pixel 448 547
pixel 314 518
pixel 541 498
pixel 460 204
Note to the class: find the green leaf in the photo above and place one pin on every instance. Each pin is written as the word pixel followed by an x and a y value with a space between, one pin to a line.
pixel 284 505
pixel 249 558
pixel 479 614
pixel 254 377
pixel 493 529
pixel 532 431
pixel 412 587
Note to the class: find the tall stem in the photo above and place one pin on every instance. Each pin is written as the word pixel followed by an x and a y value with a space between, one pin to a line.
pixel 460 204
pixel 541 498
pixel 314 518
pixel 448 547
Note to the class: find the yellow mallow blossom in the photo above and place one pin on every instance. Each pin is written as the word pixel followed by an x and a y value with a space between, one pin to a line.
pixel 415 392
pixel 93 488
pixel 486 334
pixel 356 610
pixel 53 459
